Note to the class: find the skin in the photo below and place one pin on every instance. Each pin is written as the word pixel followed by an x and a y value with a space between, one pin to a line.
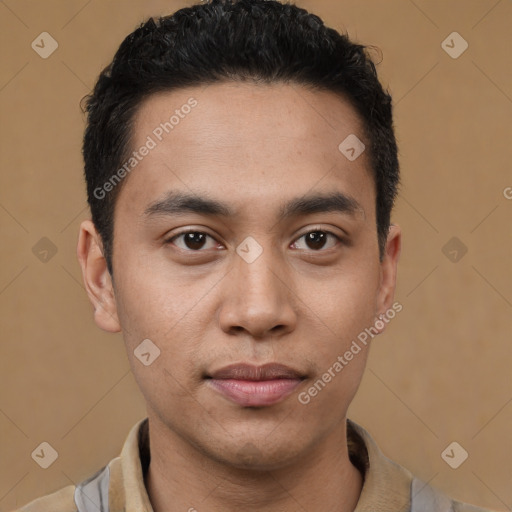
pixel 254 147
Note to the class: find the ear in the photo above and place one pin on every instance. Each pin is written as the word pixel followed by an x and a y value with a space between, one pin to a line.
pixel 388 272
pixel 97 279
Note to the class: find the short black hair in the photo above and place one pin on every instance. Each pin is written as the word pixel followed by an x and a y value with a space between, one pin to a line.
pixel 263 41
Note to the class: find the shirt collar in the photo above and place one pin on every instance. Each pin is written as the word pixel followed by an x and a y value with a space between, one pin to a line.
pixel 386 485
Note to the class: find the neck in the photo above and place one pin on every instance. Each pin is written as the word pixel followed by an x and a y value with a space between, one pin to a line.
pixel 182 478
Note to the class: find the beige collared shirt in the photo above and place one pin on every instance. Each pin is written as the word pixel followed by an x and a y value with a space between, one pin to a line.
pixel 388 487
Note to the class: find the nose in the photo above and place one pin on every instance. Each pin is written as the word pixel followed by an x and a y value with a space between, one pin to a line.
pixel 258 299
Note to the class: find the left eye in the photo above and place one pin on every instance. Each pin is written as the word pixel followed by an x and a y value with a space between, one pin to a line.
pixel 317 239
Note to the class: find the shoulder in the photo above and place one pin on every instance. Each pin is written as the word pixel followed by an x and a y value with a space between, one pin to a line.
pixel 458 506
pixel 59 501
pixel 390 486
pixel 425 498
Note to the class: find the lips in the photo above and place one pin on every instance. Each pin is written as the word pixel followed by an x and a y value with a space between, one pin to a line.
pixel 255 386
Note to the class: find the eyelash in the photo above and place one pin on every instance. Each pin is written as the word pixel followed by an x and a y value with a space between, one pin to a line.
pixel 177 235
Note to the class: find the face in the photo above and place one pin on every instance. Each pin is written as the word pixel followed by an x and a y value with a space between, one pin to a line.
pixel 244 239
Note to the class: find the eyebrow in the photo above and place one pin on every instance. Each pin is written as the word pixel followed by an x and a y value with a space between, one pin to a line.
pixel 180 203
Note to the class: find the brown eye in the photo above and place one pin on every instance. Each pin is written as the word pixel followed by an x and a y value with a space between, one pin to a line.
pixel 316 240
pixel 191 240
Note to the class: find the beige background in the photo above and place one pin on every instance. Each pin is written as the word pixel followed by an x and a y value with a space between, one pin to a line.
pixel 441 371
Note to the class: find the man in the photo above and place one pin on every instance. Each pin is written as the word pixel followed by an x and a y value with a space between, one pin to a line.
pixel 241 170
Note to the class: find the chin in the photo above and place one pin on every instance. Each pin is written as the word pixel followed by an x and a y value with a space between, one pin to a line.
pixel 259 455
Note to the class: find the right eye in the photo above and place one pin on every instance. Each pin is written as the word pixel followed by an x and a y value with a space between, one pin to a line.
pixel 191 240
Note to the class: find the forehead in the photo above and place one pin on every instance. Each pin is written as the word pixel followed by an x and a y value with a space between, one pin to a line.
pixel 238 109
pixel 243 140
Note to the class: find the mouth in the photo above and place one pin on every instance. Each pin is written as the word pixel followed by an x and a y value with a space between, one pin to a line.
pixel 255 386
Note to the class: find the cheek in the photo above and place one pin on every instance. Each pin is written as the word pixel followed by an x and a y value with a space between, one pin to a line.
pixel 152 301
pixel 342 336
pixel 148 310
pixel 155 305
pixel 329 394
pixel 347 302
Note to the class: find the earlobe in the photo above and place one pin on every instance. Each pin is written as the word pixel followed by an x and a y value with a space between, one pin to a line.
pixel 389 266
pixel 97 279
